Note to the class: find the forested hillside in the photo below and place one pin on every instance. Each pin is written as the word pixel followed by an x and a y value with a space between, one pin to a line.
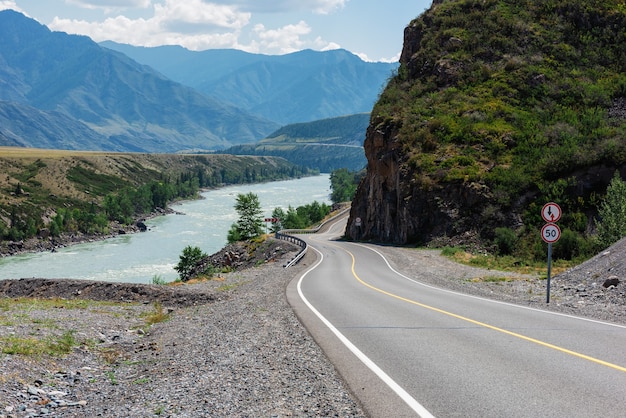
pixel 324 145
pixel 499 106
pixel 49 193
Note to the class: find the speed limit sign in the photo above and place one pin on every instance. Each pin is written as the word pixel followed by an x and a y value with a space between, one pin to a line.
pixel 550 233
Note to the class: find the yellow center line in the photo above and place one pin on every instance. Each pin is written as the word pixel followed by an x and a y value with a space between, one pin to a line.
pixel 482 324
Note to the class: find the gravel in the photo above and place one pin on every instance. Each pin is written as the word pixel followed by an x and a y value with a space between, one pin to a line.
pixel 235 349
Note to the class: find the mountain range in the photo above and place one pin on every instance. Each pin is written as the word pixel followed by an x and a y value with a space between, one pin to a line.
pixel 299 87
pixel 66 91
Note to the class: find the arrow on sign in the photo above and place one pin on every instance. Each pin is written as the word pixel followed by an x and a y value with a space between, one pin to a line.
pixel 551 212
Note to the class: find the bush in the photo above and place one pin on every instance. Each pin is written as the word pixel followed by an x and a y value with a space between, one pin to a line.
pixel 506 241
pixel 189 259
pixel 612 223
pixel 569 246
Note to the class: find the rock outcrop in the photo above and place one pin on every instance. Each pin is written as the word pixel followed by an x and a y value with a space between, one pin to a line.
pixel 396 203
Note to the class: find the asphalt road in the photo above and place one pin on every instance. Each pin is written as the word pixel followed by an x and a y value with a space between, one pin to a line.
pixel 409 349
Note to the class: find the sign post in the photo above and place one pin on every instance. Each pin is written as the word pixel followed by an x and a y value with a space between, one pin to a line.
pixel 550 233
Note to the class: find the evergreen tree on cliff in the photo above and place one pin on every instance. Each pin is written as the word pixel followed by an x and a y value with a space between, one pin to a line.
pixel 498 107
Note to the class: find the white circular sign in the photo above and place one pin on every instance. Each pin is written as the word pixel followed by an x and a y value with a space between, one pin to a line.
pixel 551 212
pixel 357 221
pixel 550 233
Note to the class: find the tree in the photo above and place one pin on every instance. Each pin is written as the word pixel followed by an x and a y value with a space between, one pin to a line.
pixel 343 184
pixel 279 214
pixel 250 223
pixel 612 224
pixel 188 262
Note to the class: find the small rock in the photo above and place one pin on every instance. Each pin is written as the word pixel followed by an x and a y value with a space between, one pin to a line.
pixel 611 281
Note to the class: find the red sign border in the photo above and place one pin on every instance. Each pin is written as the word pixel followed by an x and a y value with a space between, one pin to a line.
pixel 557 228
pixel 551 220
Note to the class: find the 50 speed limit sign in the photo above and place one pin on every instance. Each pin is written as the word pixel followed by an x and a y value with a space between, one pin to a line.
pixel 550 233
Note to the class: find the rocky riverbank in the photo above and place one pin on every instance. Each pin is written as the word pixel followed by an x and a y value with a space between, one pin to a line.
pixel 45 242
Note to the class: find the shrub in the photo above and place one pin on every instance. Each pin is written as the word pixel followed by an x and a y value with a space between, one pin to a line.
pixel 506 241
pixel 189 259
pixel 569 246
pixel 612 223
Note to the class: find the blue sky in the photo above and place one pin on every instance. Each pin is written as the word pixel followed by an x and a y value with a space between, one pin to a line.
pixel 372 29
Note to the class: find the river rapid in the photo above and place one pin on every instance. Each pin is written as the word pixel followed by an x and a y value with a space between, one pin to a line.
pixel 140 257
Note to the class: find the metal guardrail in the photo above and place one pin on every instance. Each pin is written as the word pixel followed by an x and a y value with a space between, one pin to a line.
pixel 297 241
pixel 285 236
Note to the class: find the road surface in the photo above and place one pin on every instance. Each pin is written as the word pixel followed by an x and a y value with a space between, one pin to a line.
pixel 410 349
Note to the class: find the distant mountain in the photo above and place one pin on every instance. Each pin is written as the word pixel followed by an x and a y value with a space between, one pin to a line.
pixel 326 145
pixel 120 104
pixel 25 126
pixel 300 87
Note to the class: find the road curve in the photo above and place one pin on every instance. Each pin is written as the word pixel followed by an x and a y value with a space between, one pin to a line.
pixel 410 349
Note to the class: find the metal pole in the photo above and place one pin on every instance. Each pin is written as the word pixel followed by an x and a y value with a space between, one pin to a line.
pixel 549 268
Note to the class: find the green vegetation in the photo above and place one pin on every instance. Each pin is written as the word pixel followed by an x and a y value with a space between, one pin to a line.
pixel 343 184
pixel 300 217
pixel 323 145
pixel 520 98
pixel 92 190
pixel 612 223
pixel 511 263
pixel 250 223
pixel 57 346
pixel 156 316
pixel 54 337
pixel 188 262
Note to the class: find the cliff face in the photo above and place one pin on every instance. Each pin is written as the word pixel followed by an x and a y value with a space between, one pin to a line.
pixel 471 134
pixel 393 207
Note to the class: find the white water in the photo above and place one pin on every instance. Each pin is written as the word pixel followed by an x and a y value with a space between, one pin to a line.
pixel 137 258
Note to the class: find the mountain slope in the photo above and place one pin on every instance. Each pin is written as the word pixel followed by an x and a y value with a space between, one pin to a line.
pixel 324 145
pixel 499 106
pixel 25 126
pixel 131 104
pixel 298 87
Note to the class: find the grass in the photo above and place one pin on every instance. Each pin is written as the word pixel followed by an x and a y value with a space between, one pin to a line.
pixel 504 263
pixel 156 316
pixel 47 334
pixel 56 346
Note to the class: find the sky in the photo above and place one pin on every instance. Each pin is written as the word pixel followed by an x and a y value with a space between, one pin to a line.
pixel 371 29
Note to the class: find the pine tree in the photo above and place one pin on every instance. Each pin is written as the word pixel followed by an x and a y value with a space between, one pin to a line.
pixel 250 224
pixel 612 224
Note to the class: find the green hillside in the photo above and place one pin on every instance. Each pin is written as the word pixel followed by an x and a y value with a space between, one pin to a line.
pixel 500 106
pixel 323 145
pixel 55 193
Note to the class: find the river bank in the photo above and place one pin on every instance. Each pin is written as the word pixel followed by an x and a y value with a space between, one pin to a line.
pixel 45 242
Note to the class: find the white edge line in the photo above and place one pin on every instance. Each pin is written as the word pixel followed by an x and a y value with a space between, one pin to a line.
pixel 486 299
pixel 404 395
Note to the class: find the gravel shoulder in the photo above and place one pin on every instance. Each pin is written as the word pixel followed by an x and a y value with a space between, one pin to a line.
pixel 230 346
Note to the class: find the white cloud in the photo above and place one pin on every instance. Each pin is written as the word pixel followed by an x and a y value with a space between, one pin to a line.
pixel 110 3
pixel 193 24
pixel 283 40
pixel 9 4
pixel 110 6
pixel 200 25
pixel 282 6
pixel 196 12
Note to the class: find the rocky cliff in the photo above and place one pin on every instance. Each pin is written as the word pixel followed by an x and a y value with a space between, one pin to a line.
pixel 490 117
